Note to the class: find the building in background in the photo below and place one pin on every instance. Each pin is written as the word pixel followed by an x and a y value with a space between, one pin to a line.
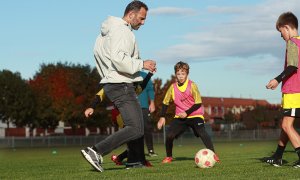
pixel 221 113
pixel 240 113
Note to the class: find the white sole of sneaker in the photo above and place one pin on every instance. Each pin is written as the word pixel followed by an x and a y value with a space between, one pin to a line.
pixel 153 155
pixel 297 166
pixel 101 159
pixel 88 158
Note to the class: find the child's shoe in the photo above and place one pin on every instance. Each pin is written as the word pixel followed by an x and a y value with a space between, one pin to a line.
pixel 273 161
pixel 216 157
pixel 152 153
pixel 167 160
pixel 296 164
pixel 148 164
pixel 116 160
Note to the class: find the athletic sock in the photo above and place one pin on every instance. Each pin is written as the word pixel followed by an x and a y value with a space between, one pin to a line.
pixel 123 155
pixel 169 147
pixel 279 152
pixel 206 139
pixel 298 151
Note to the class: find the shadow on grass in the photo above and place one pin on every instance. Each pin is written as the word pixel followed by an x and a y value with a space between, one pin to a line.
pixel 184 159
pixel 115 168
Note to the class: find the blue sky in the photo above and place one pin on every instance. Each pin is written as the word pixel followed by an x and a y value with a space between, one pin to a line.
pixel 232 47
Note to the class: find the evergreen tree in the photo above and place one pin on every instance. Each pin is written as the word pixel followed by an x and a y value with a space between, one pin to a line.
pixel 16 102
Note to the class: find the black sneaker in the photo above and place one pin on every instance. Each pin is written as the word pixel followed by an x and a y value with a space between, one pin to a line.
pixel 273 161
pixel 296 164
pixel 134 165
pixel 93 158
pixel 152 153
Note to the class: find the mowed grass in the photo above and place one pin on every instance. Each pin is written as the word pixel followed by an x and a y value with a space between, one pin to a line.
pixel 239 160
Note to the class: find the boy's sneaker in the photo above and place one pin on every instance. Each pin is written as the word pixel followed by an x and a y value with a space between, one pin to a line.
pixel 152 153
pixel 167 160
pixel 273 161
pixel 93 158
pixel 217 159
pixel 296 164
pixel 116 160
pixel 148 164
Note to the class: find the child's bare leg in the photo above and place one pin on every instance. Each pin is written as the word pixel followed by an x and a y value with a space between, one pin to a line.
pixel 287 126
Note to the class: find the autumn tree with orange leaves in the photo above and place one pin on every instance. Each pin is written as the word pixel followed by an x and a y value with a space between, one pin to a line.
pixel 63 91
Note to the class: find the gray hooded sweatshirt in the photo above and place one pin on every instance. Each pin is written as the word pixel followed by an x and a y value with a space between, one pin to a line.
pixel 116 53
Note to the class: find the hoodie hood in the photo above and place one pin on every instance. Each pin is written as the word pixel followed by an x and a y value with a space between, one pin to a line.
pixel 116 52
pixel 112 22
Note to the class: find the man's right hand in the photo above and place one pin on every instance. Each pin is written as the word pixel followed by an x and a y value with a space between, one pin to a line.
pixel 149 65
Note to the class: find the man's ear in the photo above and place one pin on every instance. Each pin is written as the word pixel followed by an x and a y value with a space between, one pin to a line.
pixel 131 15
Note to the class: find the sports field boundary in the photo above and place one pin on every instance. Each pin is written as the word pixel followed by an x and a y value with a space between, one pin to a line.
pixel 55 141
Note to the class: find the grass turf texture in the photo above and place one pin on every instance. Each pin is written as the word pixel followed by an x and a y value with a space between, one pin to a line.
pixel 239 160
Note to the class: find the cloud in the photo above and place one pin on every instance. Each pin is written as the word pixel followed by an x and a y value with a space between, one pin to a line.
pixel 226 10
pixel 172 11
pixel 243 32
pixel 257 64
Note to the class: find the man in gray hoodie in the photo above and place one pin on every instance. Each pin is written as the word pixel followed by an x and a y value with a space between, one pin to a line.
pixel 118 63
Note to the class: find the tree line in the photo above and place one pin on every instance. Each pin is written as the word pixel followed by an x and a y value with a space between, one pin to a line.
pixel 60 92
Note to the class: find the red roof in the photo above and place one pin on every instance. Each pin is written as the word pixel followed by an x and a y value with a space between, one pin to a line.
pixel 230 102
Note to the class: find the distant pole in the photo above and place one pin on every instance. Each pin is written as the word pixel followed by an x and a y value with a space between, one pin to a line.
pixel 13 142
pixel 223 109
pixel 164 130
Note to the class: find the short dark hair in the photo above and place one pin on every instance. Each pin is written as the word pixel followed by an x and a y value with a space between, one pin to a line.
pixel 183 66
pixel 287 18
pixel 135 6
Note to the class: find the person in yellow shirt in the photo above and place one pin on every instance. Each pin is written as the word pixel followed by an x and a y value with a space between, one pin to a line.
pixel 189 110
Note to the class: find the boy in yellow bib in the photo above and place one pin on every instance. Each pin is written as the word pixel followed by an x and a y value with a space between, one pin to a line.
pixel 188 113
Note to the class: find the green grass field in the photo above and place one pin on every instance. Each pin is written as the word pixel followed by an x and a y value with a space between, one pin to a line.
pixel 239 160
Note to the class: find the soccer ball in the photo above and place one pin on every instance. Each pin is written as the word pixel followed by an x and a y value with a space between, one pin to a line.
pixel 205 158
